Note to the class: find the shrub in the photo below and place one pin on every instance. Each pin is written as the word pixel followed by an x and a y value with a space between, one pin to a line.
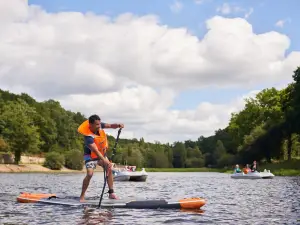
pixel 4 147
pixel 6 158
pixel 195 162
pixel 74 160
pixel 54 161
pixel 225 160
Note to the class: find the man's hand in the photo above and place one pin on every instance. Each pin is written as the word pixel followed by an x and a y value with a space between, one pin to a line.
pixel 121 125
pixel 94 148
pixel 107 163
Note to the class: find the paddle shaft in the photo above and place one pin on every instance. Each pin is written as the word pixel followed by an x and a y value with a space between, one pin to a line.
pixel 105 168
pixel 115 146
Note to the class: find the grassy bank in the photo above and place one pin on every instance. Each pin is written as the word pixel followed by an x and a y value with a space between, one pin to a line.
pixel 204 169
pixel 275 171
pixel 283 168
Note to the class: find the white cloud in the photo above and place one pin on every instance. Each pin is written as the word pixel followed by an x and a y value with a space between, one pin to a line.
pixel 224 9
pixel 115 67
pixel 146 113
pixel 176 7
pixel 227 9
pixel 200 2
pixel 281 23
pixel 247 14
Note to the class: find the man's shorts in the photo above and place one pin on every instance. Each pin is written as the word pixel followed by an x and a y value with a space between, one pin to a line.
pixel 91 164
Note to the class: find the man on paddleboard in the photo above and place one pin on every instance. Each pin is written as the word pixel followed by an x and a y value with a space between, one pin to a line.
pixel 95 147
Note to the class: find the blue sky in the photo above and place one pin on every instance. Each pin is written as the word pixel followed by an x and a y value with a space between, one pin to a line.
pixel 193 16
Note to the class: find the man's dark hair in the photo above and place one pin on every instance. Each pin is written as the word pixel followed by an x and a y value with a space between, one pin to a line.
pixel 93 118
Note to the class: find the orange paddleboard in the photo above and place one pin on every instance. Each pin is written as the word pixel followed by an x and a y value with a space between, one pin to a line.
pixel 185 203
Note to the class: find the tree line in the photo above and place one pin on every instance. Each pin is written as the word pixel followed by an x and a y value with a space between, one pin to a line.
pixel 266 128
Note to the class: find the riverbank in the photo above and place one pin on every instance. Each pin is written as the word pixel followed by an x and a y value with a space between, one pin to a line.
pixel 36 168
pixel 281 168
pixel 291 168
pixel 203 169
pixel 276 172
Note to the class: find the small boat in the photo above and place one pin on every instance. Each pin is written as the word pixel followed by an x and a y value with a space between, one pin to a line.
pixel 254 175
pixel 129 175
pixel 267 174
pixel 120 175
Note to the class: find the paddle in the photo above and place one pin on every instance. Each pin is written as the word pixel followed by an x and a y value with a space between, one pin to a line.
pixel 114 148
pixel 104 169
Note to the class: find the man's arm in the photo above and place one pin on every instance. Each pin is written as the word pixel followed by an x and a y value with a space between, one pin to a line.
pixel 113 125
pixel 94 148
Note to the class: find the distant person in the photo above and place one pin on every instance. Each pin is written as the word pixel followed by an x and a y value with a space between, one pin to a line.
pixel 237 169
pixel 95 147
pixel 254 166
pixel 247 169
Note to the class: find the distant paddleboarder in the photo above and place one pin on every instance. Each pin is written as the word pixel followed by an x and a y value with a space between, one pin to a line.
pixel 95 147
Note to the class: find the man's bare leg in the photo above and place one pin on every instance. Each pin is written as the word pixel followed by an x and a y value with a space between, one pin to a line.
pixel 110 181
pixel 86 182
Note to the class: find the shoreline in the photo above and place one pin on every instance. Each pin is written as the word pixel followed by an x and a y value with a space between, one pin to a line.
pixel 37 168
pixel 276 172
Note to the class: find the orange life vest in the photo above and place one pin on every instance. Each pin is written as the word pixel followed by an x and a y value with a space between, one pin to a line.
pixel 100 140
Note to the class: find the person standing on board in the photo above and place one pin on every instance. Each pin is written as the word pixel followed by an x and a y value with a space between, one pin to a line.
pixel 95 147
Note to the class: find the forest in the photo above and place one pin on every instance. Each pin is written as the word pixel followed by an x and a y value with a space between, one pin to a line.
pixel 266 129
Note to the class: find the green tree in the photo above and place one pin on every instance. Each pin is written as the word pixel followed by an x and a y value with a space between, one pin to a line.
pixel 18 128
pixel 266 128
pixel 179 155
pixel 220 150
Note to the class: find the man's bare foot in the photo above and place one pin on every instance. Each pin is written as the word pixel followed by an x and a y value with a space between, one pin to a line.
pixel 113 196
pixel 81 200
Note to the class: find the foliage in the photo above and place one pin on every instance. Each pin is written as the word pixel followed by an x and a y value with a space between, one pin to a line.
pixel 73 160
pixel 19 129
pixel 266 129
pixel 3 145
pixel 54 160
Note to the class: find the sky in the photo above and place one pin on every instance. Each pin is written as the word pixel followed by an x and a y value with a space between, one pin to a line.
pixel 169 70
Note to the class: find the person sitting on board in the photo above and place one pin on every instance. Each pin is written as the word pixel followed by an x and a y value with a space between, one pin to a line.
pixel 254 166
pixel 237 169
pixel 95 147
pixel 246 169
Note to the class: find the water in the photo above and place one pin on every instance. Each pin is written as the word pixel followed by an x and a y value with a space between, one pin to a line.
pixel 229 201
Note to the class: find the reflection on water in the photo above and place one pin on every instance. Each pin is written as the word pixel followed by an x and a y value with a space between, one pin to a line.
pixel 229 201
pixel 193 211
pixel 95 216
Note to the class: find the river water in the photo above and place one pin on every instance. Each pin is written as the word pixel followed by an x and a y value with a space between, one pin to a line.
pixel 229 201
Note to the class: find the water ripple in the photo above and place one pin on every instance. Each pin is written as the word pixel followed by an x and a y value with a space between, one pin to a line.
pixel 229 201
